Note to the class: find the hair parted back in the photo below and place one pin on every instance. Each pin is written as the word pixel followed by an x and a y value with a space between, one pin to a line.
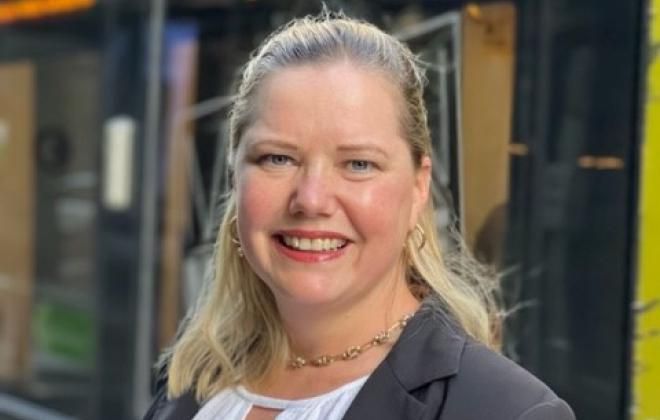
pixel 234 335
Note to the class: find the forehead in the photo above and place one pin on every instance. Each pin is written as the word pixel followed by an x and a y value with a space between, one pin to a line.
pixel 339 98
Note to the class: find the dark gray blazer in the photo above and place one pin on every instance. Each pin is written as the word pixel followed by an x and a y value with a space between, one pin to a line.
pixel 433 372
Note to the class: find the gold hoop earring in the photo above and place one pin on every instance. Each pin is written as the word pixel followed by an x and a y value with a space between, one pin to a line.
pixel 420 229
pixel 407 253
pixel 233 232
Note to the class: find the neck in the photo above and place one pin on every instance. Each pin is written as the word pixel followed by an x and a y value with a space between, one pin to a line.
pixel 316 330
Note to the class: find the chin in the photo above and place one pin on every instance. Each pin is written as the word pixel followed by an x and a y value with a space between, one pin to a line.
pixel 316 296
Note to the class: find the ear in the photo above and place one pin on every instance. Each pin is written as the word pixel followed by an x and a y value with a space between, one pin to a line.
pixel 420 190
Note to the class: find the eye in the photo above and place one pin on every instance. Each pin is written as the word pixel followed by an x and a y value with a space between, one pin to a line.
pixel 275 160
pixel 358 165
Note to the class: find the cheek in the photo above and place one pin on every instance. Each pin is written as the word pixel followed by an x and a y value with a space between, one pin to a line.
pixel 384 208
pixel 256 202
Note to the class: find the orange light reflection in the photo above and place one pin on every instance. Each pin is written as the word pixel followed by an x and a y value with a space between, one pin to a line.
pixel 17 10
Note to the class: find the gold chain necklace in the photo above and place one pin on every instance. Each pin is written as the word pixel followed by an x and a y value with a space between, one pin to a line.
pixel 352 352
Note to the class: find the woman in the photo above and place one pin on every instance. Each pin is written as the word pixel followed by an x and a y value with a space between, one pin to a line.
pixel 330 298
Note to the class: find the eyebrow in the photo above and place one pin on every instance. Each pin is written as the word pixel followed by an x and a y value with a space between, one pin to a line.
pixel 344 148
pixel 271 142
pixel 362 148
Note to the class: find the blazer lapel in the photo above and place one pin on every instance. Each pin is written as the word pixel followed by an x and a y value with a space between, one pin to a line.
pixel 428 350
pixel 182 408
pixel 384 399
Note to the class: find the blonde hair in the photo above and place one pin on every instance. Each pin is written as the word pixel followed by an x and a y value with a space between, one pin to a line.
pixel 234 334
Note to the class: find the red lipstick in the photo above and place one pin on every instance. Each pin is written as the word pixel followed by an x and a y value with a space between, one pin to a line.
pixel 309 256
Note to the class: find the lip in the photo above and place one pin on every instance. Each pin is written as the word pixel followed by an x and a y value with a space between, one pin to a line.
pixel 310 256
pixel 311 234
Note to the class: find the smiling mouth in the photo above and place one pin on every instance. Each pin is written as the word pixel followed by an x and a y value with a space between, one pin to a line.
pixel 311 244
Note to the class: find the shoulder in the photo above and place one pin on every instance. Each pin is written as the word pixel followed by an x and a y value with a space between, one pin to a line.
pixel 159 400
pixel 488 385
pixel 180 408
pixel 437 366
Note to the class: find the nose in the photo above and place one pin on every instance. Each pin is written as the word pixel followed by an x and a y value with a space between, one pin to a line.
pixel 313 194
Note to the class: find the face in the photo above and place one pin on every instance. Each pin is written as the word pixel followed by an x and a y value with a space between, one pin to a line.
pixel 326 186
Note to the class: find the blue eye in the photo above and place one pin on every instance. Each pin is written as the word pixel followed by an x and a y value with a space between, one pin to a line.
pixel 360 165
pixel 275 160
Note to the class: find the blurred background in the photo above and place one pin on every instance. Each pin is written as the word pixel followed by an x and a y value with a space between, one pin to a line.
pixel 545 116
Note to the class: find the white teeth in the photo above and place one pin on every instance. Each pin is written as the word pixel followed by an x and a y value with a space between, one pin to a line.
pixel 316 244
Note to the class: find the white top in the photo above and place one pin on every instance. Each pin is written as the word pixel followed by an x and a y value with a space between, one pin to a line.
pixel 235 404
